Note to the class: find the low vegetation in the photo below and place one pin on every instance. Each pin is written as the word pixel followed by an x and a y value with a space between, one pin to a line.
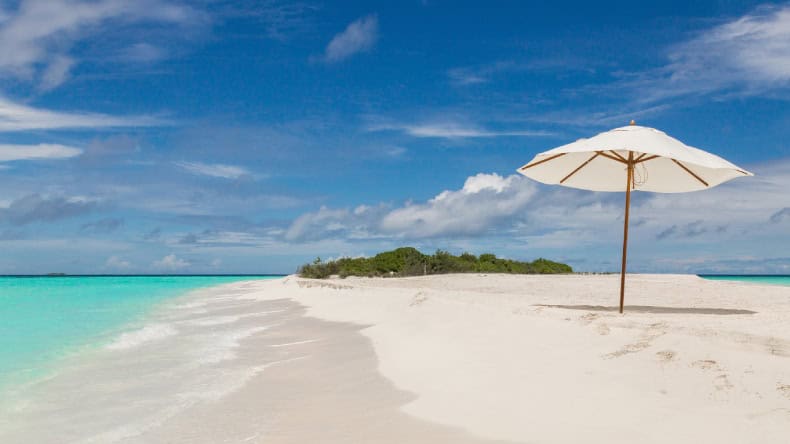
pixel 408 261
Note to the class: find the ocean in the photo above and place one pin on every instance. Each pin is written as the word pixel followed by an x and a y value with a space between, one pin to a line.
pixel 113 359
pixel 753 278
pixel 44 320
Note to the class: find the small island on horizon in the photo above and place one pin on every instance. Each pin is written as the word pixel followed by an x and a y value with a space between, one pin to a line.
pixel 408 261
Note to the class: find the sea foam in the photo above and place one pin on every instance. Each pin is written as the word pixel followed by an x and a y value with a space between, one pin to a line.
pixel 149 333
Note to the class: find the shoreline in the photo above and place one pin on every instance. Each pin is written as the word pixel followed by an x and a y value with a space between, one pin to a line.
pixel 111 306
pixel 445 358
pixel 214 365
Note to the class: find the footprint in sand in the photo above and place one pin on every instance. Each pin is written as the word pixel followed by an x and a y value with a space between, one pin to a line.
pixel 706 364
pixel 722 381
pixel 784 389
pixel 650 333
pixel 588 318
pixel 602 329
pixel 418 299
pixel 666 355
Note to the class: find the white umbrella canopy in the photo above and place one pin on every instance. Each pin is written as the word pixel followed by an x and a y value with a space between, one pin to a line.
pixel 631 158
pixel 663 164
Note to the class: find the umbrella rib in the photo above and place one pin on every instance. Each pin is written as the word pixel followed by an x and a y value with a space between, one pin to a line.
pixel 690 172
pixel 609 156
pixel 640 160
pixel 541 161
pixel 579 167
pixel 619 156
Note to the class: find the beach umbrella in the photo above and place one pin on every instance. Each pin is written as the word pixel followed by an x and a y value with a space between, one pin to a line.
pixel 631 158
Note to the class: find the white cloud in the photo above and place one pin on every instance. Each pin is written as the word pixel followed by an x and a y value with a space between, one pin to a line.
pixel 17 117
pixel 513 215
pixel 56 72
pixel 746 56
pixel 214 169
pixel 595 117
pixel 464 76
pixel 358 223
pixel 143 53
pixel 35 152
pixel 453 130
pixel 117 263
pixel 35 208
pixel 37 33
pixel 359 36
pixel 281 19
pixel 473 75
pixel 171 262
pixel 483 202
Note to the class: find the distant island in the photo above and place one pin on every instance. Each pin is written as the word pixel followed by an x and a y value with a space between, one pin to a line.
pixel 408 261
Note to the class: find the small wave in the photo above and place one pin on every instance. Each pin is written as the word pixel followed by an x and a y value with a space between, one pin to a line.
pixel 135 338
pixel 188 305
pixel 223 348
pixel 216 320
pixel 288 344
pixel 229 319
pixel 232 381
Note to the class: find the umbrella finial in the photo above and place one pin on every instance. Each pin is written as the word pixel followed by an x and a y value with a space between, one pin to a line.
pixel 633 122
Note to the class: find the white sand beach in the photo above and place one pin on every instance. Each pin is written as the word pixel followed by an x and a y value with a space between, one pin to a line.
pixel 440 359
pixel 548 358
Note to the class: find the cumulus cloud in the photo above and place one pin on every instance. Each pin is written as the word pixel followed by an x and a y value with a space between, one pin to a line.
pixel 515 214
pixel 214 169
pixel 484 201
pixel 36 208
pixel 171 263
pixel 359 36
pixel 37 152
pixel 116 263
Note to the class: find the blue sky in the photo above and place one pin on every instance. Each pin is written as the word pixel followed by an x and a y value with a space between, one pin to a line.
pixel 162 136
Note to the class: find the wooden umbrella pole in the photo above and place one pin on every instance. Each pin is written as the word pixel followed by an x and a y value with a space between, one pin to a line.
pixel 630 175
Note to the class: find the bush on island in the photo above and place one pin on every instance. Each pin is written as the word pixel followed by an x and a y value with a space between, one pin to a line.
pixel 408 261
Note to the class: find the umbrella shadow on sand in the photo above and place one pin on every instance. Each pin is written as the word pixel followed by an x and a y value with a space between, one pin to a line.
pixel 656 309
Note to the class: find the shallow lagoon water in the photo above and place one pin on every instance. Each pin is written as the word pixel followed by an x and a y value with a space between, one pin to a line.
pixel 771 279
pixel 46 319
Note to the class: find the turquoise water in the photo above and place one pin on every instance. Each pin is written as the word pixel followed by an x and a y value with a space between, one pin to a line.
pixel 43 319
pixel 757 279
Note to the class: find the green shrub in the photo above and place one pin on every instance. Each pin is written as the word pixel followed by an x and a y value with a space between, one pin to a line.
pixel 408 261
